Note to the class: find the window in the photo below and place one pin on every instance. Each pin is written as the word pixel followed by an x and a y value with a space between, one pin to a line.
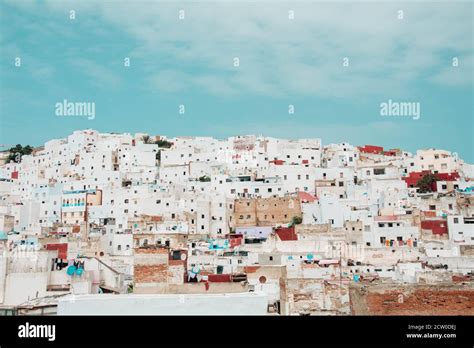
pixel 456 220
pixel 432 207
pixel 379 171
pixel 341 183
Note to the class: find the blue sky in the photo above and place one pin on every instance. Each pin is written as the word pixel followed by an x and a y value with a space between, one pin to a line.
pixel 282 62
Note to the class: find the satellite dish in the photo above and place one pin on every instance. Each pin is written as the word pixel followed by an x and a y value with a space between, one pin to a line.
pixel 71 270
pixel 183 256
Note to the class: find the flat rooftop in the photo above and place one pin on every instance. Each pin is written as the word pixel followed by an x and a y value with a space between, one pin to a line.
pixel 245 303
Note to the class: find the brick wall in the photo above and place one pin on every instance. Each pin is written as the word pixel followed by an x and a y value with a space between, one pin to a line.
pixel 150 273
pixel 414 300
pixel 151 265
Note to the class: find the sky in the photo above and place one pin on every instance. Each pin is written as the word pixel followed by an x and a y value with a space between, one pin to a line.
pixel 400 56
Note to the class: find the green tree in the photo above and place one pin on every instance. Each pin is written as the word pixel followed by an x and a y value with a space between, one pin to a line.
pixel 204 178
pixel 297 220
pixel 17 152
pixel 425 184
pixel 163 143
pixel 130 289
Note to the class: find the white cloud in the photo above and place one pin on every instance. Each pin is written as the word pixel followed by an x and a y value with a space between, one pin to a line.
pixel 98 74
pixel 283 57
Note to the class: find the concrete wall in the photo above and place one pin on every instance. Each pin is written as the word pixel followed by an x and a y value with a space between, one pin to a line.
pixel 190 288
pixel 23 286
pixel 191 304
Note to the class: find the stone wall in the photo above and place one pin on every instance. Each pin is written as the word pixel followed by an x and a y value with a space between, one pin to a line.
pixel 403 299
